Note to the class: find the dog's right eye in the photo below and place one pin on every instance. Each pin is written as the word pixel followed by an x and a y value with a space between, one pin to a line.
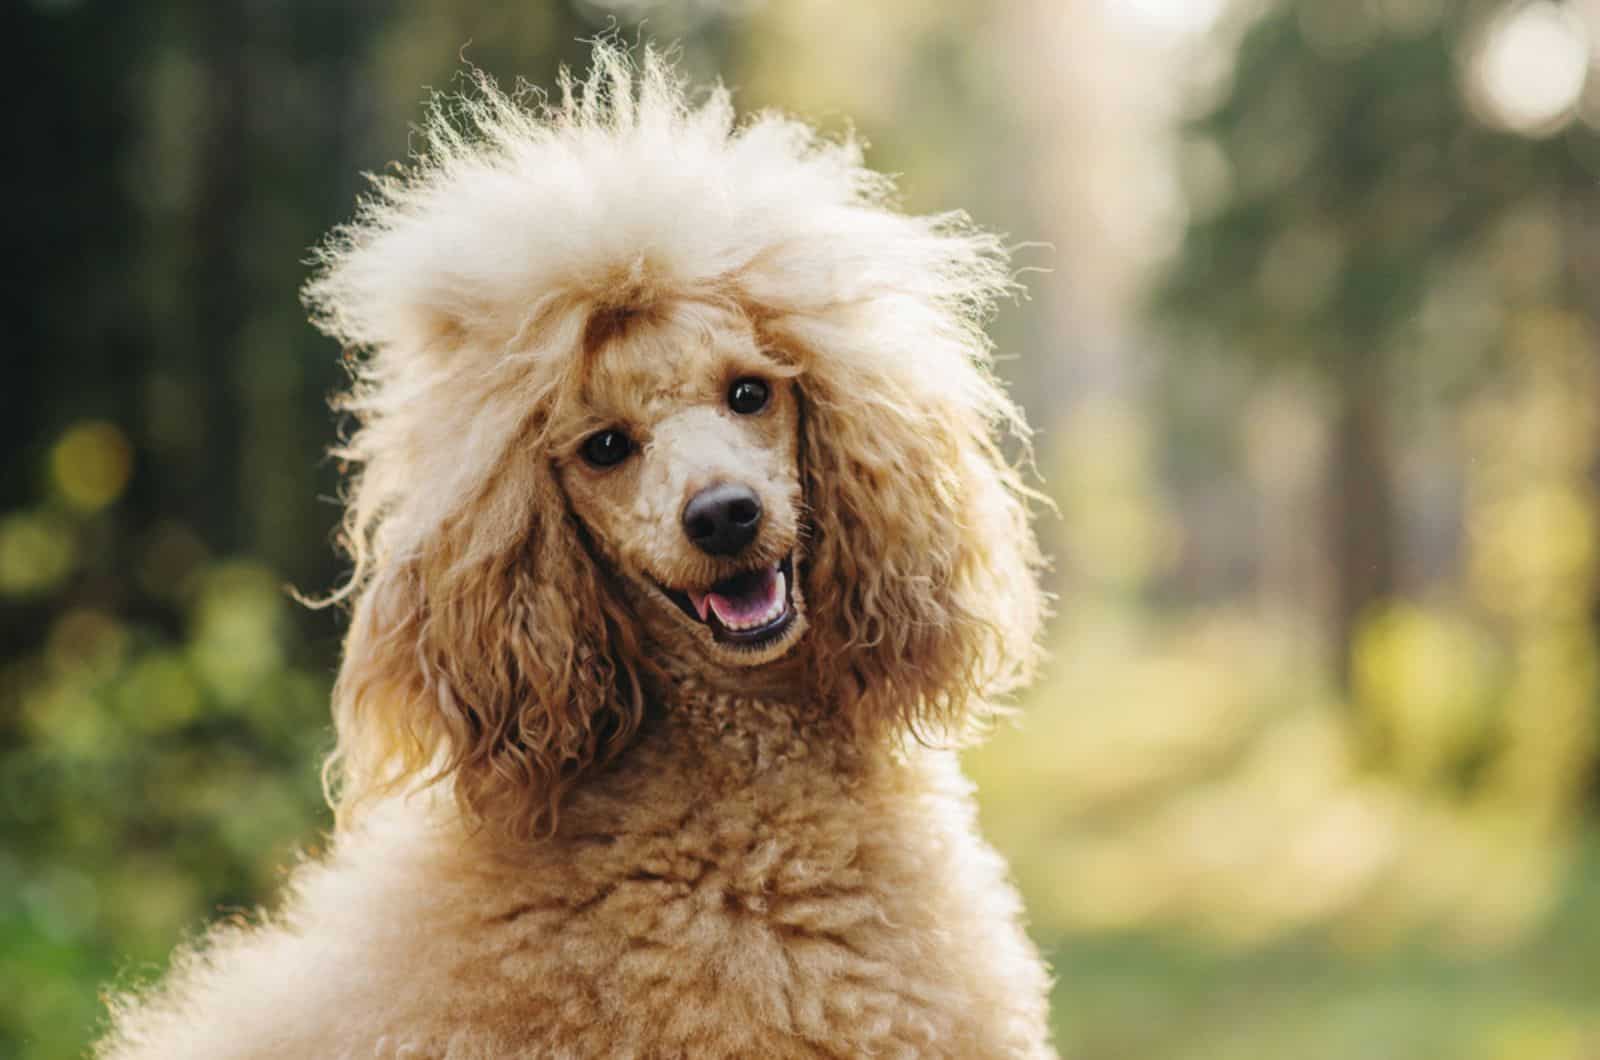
pixel 747 396
pixel 606 448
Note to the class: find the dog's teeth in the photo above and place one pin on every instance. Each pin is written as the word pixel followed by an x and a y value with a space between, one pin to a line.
pixel 778 590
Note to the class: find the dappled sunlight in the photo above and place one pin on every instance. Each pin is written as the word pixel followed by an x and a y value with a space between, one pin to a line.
pixel 1201 770
pixel 1243 818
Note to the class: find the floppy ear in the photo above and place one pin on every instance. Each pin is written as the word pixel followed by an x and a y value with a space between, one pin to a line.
pixel 922 573
pixel 505 669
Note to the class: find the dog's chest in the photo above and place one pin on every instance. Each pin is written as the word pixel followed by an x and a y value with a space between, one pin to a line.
pixel 820 921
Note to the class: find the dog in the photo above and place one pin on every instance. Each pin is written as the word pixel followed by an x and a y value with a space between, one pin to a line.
pixel 685 552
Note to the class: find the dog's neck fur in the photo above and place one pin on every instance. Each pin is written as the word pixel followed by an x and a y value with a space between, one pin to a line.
pixel 704 749
pixel 767 721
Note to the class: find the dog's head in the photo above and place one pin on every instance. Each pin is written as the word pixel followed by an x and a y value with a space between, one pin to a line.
pixel 680 461
pixel 642 390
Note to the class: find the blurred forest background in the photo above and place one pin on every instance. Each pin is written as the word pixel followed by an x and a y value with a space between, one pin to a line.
pixel 1312 349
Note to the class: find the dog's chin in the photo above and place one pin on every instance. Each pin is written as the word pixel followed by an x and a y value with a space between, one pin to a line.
pixel 746 620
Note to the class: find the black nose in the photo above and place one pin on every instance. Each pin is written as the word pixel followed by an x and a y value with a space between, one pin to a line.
pixel 722 519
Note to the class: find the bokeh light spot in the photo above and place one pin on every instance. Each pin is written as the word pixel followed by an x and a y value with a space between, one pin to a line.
pixel 1425 678
pixel 238 629
pixel 1171 16
pixel 159 693
pixel 91 465
pixel 1530 67
pixel 36 553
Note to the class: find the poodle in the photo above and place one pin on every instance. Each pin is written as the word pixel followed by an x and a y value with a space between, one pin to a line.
pixel 685 553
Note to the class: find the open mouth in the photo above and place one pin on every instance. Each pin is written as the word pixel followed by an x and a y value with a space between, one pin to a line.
pixel 753 607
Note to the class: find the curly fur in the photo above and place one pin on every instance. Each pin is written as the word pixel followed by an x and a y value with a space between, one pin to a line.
pixel 562 831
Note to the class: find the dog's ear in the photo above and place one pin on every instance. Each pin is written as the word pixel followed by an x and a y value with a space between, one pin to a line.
pixel 504 668
pixel 922 568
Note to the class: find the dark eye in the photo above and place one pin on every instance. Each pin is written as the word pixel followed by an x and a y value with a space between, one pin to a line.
pixel 747 395
pixel 605 448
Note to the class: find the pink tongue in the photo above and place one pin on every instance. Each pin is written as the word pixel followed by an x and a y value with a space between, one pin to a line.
pixel 750 602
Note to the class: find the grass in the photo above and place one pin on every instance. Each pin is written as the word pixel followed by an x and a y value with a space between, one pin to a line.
pixel 1146 996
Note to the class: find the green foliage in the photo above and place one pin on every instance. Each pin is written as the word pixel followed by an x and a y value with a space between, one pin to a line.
pixel 1354 177
pixel 149 779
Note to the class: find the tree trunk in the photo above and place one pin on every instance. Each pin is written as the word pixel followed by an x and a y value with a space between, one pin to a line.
pixel 1581 253
pixel 1360 521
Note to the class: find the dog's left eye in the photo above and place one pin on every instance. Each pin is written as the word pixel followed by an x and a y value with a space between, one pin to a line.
pixel 747 395
pixel 605 448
